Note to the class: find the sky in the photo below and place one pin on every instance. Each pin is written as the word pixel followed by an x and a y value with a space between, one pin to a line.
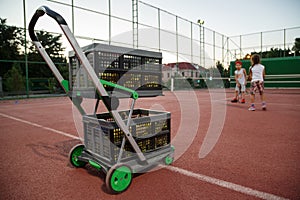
pixel 229 17
pixel 235 17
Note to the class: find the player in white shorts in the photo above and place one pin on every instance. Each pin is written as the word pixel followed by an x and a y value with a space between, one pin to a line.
pixel 257 76
pixel 240 79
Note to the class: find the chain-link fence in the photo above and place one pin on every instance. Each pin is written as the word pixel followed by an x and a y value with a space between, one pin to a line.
pixel 276 43
pixel 40 80
pixel 137 24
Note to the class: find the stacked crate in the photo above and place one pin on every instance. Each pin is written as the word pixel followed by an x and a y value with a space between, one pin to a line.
pixel 150 129
pixel 139 70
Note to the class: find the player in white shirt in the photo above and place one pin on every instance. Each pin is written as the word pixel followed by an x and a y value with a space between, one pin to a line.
pixel 257 76
pixel 240 79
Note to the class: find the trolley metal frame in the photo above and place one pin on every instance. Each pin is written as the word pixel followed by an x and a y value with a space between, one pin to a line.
pixel 119 175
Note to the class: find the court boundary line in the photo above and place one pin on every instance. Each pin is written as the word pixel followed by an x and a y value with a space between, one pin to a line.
pixel 225 184
pixel 40 126
pixel 214 181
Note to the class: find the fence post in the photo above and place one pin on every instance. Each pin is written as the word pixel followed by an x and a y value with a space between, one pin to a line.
pixel 261 43
pixel 191 42
pixel 109 22
pixel 177 40
pixel 223 49
pixel 73 26
pixel 214 46
pixel 25 51
pixel 158 17
pixel 284 38
pixel 240 46
pixel 135 23
pixel 1 90
pixel 172 84
pixel 227 52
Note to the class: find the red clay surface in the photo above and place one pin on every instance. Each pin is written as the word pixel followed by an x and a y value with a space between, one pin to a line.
pixel 259 150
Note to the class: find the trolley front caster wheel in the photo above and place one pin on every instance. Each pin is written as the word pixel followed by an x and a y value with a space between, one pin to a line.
pixel 118 178
pixel 73 156
pixel 169 160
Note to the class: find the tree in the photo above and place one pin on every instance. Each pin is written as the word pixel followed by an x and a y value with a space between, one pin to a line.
pixel 296 46
pixel 275 52
pixel 191 82
pixel 51 43
pixel 53 47
pixel 11 38
pixel 272 53
pixel 14 79
pixel 220 68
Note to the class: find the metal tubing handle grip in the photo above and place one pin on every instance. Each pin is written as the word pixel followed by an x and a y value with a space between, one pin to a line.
pixel 40 12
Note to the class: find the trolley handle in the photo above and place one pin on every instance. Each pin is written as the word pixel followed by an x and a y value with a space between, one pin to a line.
pixel 87 66
pixel 133 93
pixel 72 40
pixel 39 13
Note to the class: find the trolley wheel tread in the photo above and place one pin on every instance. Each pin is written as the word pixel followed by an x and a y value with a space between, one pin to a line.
pixel 73 156
pixel 118 178
pixel 169 160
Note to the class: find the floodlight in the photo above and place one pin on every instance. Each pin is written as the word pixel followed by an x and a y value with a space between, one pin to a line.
pixel 200 21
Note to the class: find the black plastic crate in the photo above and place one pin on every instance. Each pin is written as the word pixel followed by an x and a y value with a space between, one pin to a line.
pixel 150 129
pixel 135 69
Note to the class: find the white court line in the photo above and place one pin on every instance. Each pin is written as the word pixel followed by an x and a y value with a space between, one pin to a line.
pixel 204 178
pixel 35 104
pixel 226 184
pixel 258 102
pixel 40 126
pixel 283 104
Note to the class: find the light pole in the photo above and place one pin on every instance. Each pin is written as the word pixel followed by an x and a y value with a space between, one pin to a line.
pixel 201 40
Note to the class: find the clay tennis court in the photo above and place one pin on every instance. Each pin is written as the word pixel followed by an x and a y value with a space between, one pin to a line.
pixel 256 156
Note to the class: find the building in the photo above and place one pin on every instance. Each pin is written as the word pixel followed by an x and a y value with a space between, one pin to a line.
pixel 182 69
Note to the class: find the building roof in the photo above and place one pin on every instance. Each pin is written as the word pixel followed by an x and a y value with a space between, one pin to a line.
pixel 182 66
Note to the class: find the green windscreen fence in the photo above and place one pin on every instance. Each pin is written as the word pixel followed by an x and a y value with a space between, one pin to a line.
pixel 281 72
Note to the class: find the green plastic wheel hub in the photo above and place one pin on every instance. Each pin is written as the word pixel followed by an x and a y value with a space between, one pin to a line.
pixel 168 160
pixel 121 179
pixel 77 151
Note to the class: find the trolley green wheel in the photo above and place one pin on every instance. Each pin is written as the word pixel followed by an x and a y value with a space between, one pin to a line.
pixel 73 156
pixel 118 178
pixel 169 160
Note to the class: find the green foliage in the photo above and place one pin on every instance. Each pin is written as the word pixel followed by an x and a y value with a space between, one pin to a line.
pixel 277 52
pixel 223 72
pixel 51 43
pixel 14 80
pixel 53 46
pixel 52 84
pixel 10 40
pixel 64 69
pixel 200 83
pixel 296 47
pixel 190 81
pixel 220 68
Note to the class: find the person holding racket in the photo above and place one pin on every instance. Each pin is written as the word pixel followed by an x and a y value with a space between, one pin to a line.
pixel 256 76
pixel 240 79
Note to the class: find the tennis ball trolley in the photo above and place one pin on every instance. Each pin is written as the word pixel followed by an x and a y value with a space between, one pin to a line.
pixel 120 143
